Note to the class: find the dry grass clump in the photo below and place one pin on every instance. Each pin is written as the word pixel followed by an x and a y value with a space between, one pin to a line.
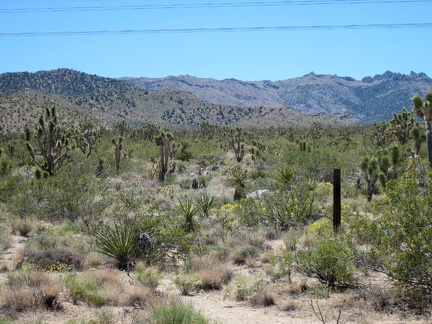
pixel 23 228
pixel 147 276
pixel 5 239
pixel 17 300
pixel 205 262
pixel 4 266
pixel 39 279
pixel 287 306
pixel 211 273
pixel 137 296
pixel 97 288
pixel 242 253
pixel 29 292
pixel 263 298
pixel 214 278
pixel 110 284
pixel 94 260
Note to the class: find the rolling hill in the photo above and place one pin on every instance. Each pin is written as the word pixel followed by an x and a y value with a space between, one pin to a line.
pixel 370 99
pixel 83 96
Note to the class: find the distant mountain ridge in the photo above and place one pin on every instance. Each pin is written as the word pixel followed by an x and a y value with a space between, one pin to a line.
pixel 370 99
pixel 186 101
pixel 82 96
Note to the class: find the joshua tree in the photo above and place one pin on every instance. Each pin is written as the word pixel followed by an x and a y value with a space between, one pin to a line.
pixel 419 138
pixel 380 133
pixel 52 144
pixel 423 109
pixel 118 146
pixel 237 143
pixel 122 128
pixel 85 138
pixel 164 142
pixel 402 124
pixel 370 171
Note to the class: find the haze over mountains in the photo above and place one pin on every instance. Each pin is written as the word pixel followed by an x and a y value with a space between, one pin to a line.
pixel 187 101
pixel 370 99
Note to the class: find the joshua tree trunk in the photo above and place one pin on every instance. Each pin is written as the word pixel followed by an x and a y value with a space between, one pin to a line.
pixel 370 190
pixel 429 140
pixel 164 142
pixel 423 109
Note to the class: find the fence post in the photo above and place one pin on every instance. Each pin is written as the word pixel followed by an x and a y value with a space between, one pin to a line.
pixel 336 199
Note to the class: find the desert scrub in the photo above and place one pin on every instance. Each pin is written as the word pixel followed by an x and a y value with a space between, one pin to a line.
pixel 244 252
pixel 329 259
pixel 104 287
pixel 244 289
pixel 187 283
pixel 42 240
pixel 214 278
pixel 84 290
pixel 5 239
pixel 52 260
pixel 30 291
pixel 149 277
pixel 176 311
pixel 24 228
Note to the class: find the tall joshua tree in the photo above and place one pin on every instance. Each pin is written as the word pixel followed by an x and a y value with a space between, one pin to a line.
pixel 52 144
pixel 402 124
pixel 237 143
pixel 423 109
pixel 118 146
pixel 370 172
pixel 164 142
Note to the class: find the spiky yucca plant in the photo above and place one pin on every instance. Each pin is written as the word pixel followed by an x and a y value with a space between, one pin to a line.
pixel 118 242
pixel 204 203
pixel 188 209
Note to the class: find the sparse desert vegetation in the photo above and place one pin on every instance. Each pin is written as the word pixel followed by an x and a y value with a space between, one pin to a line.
pixel 152 226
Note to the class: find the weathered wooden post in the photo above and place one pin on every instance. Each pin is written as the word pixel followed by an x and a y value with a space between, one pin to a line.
pixel 336 199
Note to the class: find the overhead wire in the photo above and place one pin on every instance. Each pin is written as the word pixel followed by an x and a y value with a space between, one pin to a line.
pixel 207 5
pixel 211 5
pixel 216 30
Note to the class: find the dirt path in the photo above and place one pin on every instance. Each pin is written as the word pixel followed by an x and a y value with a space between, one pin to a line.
pixel 234 312
pixel 9 257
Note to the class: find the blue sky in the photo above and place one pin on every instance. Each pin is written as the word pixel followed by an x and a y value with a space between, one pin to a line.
pixel 247 54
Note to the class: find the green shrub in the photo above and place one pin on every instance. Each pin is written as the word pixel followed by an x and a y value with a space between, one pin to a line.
pixel 80 290
pixel 402 240
pixel 185 184
pixel 186 283
pixel 242 289
pixel 177 312
pixel 45 239
pixel 5 238
pixel 149 277
pixel 24 228
pixel 329 259
pixel 242 253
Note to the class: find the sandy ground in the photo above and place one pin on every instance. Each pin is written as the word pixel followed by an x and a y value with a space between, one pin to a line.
pixel 219 309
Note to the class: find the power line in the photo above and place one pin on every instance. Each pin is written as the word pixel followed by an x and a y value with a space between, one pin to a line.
pixel 217 30
pixel 208 5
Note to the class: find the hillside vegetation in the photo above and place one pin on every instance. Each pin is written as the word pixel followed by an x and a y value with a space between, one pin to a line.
pixel 158 225
pixel 110 101
pixel 370 99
